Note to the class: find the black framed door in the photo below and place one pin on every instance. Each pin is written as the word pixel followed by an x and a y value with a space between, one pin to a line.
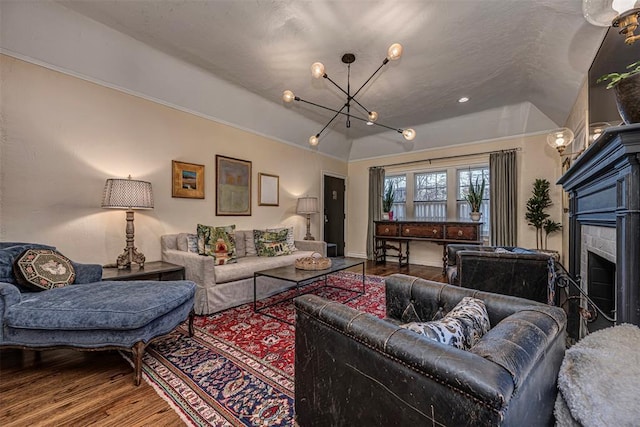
pixel 334 214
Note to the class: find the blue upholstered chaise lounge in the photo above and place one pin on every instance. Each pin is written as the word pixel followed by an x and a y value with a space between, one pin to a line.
pixel 89 314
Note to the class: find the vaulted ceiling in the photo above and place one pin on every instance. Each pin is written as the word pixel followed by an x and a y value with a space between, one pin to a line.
pixel 521 63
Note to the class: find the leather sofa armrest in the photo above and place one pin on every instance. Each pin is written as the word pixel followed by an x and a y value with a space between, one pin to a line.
pixel 453 249
pixel 312 245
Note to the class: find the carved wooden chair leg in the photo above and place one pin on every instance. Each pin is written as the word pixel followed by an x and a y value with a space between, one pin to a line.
pixel 137 352
pixel 191 317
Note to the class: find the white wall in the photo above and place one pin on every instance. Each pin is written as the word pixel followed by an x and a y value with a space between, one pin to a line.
pixel 535 160
pixel 62 137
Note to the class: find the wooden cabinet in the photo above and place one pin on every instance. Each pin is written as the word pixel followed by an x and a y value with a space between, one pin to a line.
pixel 396 235
pixel 422 230
pixel 463 232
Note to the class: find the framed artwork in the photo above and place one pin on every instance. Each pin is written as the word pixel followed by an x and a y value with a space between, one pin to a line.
pixel 188 180
pixel 233 186
pixel 268 190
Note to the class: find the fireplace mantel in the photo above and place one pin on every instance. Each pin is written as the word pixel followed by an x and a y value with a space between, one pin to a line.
pixel 604 190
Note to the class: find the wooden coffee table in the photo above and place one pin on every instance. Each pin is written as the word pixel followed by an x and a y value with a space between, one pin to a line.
pixel 300 278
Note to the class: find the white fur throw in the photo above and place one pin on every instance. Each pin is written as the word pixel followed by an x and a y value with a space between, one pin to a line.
pixel 599 380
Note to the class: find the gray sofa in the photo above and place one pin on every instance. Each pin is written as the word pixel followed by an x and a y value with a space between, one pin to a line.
pixel 89 314
pixel 224 286
pixel 354 369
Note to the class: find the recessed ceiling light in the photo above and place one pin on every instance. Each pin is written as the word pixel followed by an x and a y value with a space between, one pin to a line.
pixel 463 99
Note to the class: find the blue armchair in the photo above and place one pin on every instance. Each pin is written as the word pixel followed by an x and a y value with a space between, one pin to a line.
pixel 89 314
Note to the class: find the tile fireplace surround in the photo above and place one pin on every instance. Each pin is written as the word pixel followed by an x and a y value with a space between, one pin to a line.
pixel 604 214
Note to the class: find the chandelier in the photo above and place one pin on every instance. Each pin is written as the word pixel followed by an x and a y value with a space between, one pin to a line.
pixel 317 70
pixel 622 14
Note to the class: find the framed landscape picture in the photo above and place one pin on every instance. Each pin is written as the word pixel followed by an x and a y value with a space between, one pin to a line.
pixel 187 180
pixel 233 186
pixel 268 190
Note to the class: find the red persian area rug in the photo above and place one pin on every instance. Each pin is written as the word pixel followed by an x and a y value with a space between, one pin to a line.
pixel 237 369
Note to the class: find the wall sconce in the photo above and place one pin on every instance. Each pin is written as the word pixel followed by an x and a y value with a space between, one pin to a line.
pixel 621 14
pixel 560 138
pixel 596 129
pixel 128 194
pixel 307 206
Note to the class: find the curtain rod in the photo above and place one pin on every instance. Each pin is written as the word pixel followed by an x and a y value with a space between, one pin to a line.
pixel 448 157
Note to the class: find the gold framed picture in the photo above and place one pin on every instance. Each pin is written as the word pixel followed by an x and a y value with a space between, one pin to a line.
pixel 268 190
pixel 188 180
pixel 233 186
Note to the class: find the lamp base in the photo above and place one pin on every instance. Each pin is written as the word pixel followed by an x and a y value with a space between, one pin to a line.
pixel 129 256
pixel 130 253
pixel 309 236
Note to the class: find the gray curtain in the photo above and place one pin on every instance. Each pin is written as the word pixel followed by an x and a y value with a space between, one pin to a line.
pixel 503 198
pixel 376 188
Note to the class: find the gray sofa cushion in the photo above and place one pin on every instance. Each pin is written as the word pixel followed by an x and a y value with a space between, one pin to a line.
pixel 100 305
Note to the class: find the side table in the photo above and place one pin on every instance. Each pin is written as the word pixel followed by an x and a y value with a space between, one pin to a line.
pixel 156 270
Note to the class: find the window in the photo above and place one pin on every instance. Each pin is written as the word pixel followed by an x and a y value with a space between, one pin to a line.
pixel 430 195
pixel 399 183
pixel 465 178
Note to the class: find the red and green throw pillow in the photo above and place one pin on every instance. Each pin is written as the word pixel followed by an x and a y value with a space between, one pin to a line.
pixel 218 242
pixel 43 269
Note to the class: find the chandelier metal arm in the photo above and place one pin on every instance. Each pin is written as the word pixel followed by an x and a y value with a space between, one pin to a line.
pixel 374 73
pixel 336 84
pixel 297 98
pixel 332 119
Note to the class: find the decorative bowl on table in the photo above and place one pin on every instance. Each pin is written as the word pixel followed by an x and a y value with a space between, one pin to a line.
pixel 313 262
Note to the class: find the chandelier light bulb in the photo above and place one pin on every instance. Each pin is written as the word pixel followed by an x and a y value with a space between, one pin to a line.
pixel 313 141
pixel 621 6
pixel 394 52
pixel 409 134
pixel 288 96
pixel 317 70
pixel 373 116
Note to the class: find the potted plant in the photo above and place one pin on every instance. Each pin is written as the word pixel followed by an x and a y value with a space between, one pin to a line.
pixel 387 202
pixel 536 215
pixel 626 86
pixel 474 198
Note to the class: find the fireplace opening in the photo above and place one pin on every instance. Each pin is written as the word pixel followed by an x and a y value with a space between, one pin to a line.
pixel 601 288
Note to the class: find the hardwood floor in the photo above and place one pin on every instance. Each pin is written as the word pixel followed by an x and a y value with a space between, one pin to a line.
pixel 73 388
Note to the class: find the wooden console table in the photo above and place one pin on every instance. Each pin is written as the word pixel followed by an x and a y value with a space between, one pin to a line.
pixel 396 235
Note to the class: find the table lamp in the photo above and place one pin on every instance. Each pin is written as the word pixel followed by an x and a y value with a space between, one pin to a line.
pixel 128 194
pixel 307 206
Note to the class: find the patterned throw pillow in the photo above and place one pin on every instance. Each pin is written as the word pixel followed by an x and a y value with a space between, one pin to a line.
pixel 290 241
pixel 462 327
pixel 271 243
pixel 217 242
pixel 43 269
pixel 192 243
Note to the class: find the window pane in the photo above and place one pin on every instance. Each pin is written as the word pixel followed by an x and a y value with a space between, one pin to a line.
pixel 430 187
pixel 465 178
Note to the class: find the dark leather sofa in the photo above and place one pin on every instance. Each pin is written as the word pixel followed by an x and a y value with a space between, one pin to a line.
pixel 523 274
pixel 354 369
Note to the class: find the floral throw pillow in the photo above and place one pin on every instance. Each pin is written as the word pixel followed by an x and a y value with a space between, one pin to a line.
pixel 271 243
pixel 218 242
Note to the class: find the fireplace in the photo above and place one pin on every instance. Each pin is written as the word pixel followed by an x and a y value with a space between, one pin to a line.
pixel 601 288
pixel 604 225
